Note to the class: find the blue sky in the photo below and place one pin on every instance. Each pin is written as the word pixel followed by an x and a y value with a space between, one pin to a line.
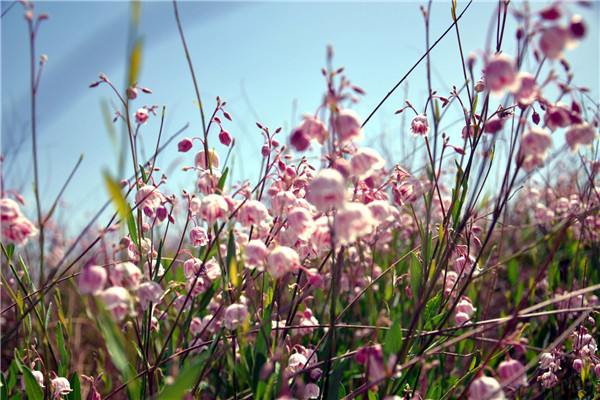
pixel 264 58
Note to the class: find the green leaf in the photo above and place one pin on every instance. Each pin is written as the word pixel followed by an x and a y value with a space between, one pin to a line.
pixel 185 380
pixel 221 183
pixel 144 176
pixel 513 272
pixel 32 387
pixel 433 306
pixel 3 388
pixel 13 371
pixel 114 190
pixel 415 273
pixel 47 320
pixel 60 342
pixel 135 61
pixel 115 341
pixel 339 366
pixel 10 249
pixel 132 228
pixel 75 394
pixel 393 338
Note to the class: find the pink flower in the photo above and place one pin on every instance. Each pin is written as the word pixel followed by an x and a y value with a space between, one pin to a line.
pixel 126 274
pixel 419 125
pixel 148 196
pixel 92 279
pixel 254 254
pixel 253 212
pixel 61 386
pixel 348 127
pixel 149 292
pixel 535 141
pixel 493 124
pixel 580 134
pixel 546 360
pixel 9 210
pixel 185 145
pixel 327 189
pixel 553 41
pixel 465 306
pixel 409 191
pixel 200 159
pixel 373 357
pixel 464 265
pixel 364 161
pixel 300 223
pixel 213 207
pixel 141 116
pixel 500 72
pixel 558 116
pixel 486 388
pixel 235 315
pixel 461 318
pixel 146 269
pixel 525 88
pixel 18 231
pixel 513 371
pixel 198 236
pixel 192 266
pixel 309 129
pixel 118 302
pixel 307 319
pixel 311 391
pixel 282 260
pixel 225 137
pixel 296 363
pixel 548 379
pixel 353 221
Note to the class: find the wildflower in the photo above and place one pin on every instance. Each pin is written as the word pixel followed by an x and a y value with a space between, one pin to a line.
pixel 525 88
pixel 553 41
pixel 465 306
pixel 141 116
pixel 18 231
pixel 185 145
pixel 348 127
pixel 309 129
pixel 300 223
pixel 373 357
pixel 118 302
pixel 493 125
pixel 461 318
pixel 126 274
pixel 225 137
pixel 409 191
pixel 213 207
pixel 364 161
pixel 500 72
pixel 200 159
pixel 148 196
pixel 296 363
pixel 546 360
pixel 548 379
pixel 235 314
pixel 513 371
pixel 282 260
pixel 151 272
pixel 253 212
pixel 577 27
pixel 486 388
pixel 61 386
pixel 327 190
pixel 131 93
pixel 353 221
pixel 311 391
pixel 307 319
pixel 92 279
pixel 419 125
pixel 580 134
pixel 464 264
pixel 557 116
pixel 578 364
pixel 254 254
pixel 149 292
pixel 9 210
pixel 198 236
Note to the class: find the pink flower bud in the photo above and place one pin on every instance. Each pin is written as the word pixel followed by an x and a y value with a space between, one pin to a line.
pixel 185 145
pixel 480 86
pixel 161 212
pixel 577 27
pixel 131 93
pixel 225 137
pixel 92 279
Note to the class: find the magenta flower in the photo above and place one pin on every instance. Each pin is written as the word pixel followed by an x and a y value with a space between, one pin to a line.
pixel 419 125
pixel 326 190
pixel 185 145
pixel 225 137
